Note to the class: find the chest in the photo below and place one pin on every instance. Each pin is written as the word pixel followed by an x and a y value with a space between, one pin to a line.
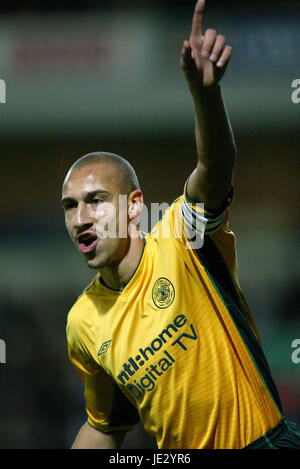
pixel 158 326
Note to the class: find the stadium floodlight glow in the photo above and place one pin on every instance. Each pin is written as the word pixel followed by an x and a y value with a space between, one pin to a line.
pixel 2 91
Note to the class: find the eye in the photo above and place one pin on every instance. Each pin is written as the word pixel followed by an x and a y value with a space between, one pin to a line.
pixel 96 201
pixel 68 206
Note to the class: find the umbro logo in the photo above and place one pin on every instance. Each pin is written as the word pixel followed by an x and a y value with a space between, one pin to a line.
pixel 104 347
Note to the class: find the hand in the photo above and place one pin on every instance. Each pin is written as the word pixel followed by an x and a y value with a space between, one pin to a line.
pixel 204 58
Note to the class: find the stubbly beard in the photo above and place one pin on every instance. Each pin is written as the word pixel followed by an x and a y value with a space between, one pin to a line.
pixel 98 260
pixel 97 264
pixel 106 255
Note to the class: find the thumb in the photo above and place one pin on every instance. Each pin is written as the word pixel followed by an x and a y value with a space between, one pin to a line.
pixel 187 63
pixel 186 60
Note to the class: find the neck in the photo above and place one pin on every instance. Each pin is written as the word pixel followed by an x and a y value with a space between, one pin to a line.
pixel 118 274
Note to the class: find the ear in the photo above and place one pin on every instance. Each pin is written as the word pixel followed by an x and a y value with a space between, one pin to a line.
pixel 135 204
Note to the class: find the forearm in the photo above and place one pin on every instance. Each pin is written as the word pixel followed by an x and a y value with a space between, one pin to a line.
pixel 90 438
pixel 214 137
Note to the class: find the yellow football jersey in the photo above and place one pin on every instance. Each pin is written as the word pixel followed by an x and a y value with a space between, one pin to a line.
pixel 177 348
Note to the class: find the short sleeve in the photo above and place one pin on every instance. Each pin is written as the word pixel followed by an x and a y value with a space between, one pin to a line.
pixel 107 408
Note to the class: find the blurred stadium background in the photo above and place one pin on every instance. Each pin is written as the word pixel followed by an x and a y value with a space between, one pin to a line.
pixel 105 75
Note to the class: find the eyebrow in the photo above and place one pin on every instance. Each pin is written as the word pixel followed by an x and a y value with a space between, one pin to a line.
pixel 87 195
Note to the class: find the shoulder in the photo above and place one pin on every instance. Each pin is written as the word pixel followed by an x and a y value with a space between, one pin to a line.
pixel 79 316
pixel 80 335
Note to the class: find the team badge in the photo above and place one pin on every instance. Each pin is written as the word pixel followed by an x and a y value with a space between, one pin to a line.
pixel 163 293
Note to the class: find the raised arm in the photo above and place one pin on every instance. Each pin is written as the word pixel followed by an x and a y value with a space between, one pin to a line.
pixel 204 59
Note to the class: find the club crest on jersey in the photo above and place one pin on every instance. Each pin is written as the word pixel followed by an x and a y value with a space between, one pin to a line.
pixel 163 293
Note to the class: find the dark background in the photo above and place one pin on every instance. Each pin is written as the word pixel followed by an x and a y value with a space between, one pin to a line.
pixel 41 403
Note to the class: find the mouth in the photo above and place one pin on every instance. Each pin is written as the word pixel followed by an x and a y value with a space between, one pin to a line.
pixel 87 242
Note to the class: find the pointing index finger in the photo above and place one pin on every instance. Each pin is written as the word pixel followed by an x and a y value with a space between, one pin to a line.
pixel 197 23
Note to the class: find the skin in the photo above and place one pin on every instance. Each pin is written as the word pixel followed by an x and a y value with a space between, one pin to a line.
pixel 204 58
pixel 94 212
pixel 94 439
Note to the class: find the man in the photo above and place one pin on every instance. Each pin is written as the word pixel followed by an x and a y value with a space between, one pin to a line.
pixel 163 333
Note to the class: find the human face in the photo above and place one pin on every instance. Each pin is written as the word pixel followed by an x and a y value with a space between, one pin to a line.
pixel 93 214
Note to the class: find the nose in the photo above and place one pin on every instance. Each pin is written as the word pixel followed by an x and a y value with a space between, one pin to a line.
pixel 83 218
